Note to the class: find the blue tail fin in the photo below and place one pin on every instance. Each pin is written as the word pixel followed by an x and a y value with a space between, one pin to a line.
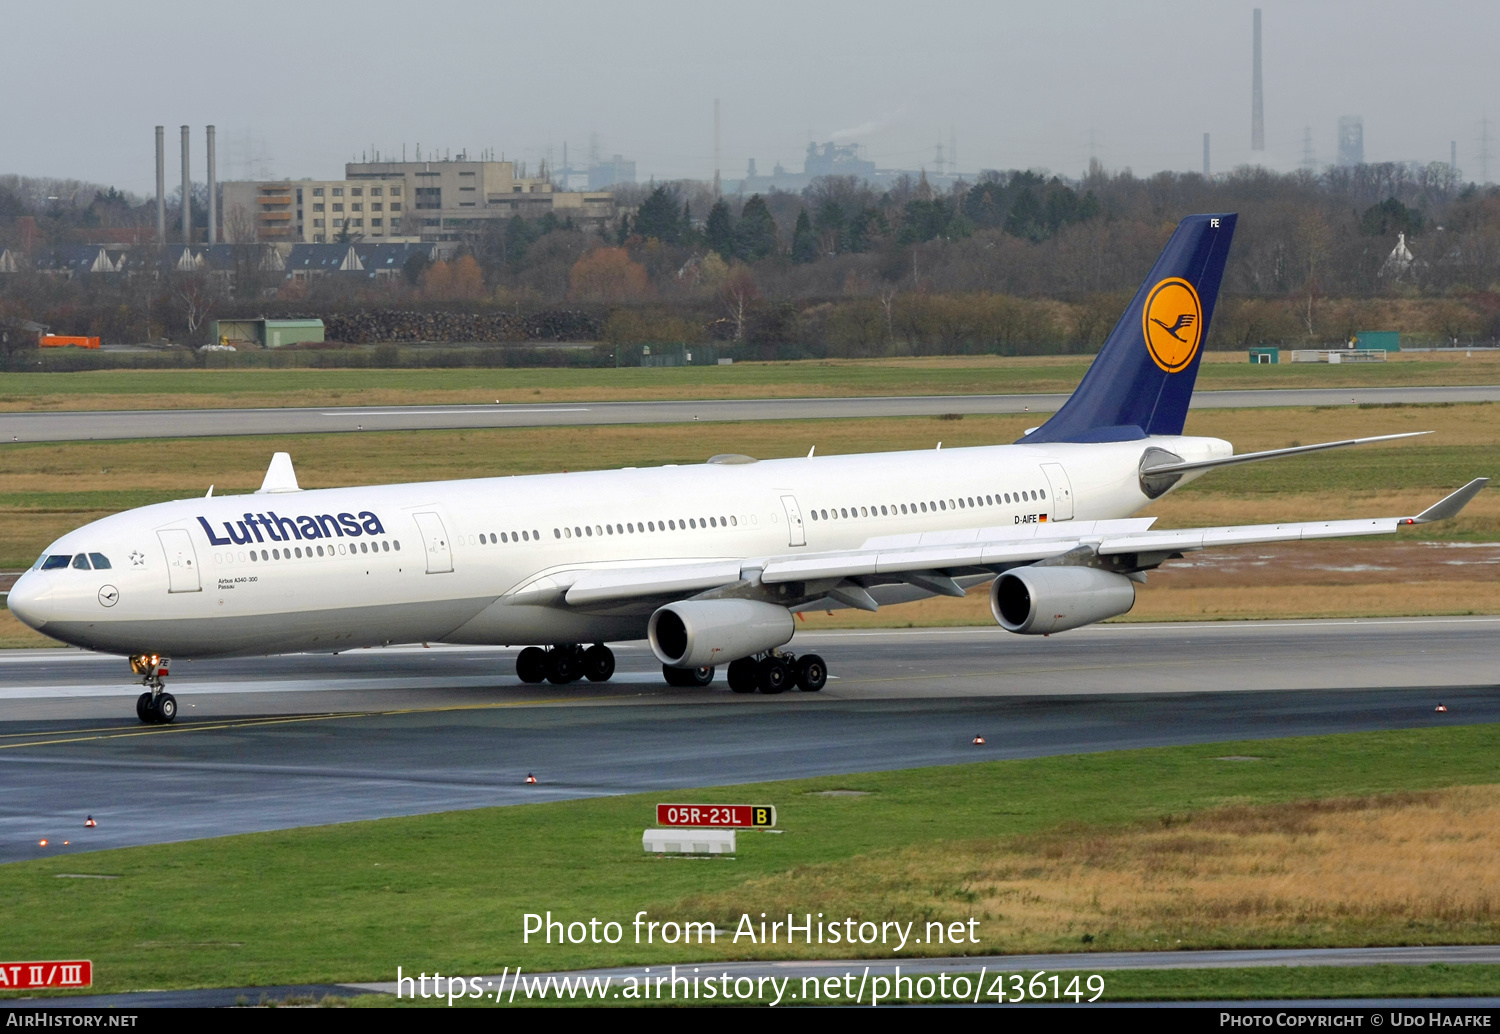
pixel 1143 378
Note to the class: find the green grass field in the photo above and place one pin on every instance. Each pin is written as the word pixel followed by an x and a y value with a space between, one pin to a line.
pixel 448 891
pixel 151 389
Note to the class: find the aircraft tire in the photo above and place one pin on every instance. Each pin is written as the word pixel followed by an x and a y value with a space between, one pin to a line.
pixel 166 708
pixel 774 676
pixel 599 663
pixel 143 709
pixel 562 666
pixel 742 675
pixel 699 676
pixel 812 673
pixel 531 665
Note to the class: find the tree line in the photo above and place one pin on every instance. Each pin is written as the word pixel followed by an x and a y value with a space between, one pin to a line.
pixel 1013 261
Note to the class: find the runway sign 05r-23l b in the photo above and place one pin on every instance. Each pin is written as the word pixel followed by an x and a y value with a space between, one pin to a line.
pixel 719 815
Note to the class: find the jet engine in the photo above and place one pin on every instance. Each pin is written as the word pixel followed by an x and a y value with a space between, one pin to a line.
pixel 695 633
pixel 1043 600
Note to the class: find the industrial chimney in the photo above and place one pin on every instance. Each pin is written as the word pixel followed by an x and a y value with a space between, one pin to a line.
pixel 213 189
pixel 161 185
pixel 1257 101
pixel 187 191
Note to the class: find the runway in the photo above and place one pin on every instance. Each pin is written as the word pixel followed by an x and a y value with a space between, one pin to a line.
pixel 306 740
pixel 197 423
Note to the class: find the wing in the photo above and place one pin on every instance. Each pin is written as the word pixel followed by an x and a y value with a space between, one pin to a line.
pixel 903 567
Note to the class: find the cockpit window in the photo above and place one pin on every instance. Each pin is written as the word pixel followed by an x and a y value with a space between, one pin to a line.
pixel 101 562
pixel 56 560
pixel 81 562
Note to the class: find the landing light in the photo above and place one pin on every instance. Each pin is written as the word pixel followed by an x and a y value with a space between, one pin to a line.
pixel 42 842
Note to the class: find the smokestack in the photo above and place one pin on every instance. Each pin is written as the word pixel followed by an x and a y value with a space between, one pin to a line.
pixel 161 184
pixel 187 191
pixel 716 147
pixel 213 189
pixel 1206 173
pixel 1257 100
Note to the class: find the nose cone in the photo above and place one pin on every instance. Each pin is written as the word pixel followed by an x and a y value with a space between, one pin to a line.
pixel 30 600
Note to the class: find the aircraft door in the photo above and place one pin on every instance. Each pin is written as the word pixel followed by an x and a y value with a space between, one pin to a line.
pixel 182 560
pixel 435 542
pixel 1062 491
pixel 797 535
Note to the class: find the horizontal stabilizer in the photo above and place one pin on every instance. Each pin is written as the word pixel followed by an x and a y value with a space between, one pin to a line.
pixel 1164 469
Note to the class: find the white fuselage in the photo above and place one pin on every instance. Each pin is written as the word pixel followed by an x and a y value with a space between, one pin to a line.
pixel 473 561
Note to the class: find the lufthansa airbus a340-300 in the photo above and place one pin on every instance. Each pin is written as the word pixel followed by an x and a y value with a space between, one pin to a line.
pixel 707 562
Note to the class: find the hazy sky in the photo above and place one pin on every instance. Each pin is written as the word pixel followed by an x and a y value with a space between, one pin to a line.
pixel 303 86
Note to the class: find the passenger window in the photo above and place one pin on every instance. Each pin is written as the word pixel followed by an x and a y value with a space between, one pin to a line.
pixel 385 547
pixel 101 562
pixel 81 562
pixel 56 561
pixel 1043 493
pixel 253 556
pixel 589 532
pixel 733 521
pixel 503 537
pixel 396 545
pixel 556 533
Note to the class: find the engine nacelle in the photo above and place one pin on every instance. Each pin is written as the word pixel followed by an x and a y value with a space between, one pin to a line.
pixel 1043 600
pixel 695 633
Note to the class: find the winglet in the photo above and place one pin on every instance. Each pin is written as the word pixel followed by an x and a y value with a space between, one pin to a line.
pixel 1449 505
pixel 280 477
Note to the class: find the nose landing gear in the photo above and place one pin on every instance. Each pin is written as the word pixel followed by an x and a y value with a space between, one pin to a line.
pixel 156 705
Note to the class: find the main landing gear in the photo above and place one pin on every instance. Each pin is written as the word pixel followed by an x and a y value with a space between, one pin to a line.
pixel 155 705
pixel 567 663
pixel 778 671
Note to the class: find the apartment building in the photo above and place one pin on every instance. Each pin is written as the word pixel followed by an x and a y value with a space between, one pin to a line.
pixel 453 199
pixel 316 211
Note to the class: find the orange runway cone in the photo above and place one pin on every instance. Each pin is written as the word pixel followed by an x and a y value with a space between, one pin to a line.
pixel 1441 708
pixel 89 823
pixel 978 741
pixel 530 779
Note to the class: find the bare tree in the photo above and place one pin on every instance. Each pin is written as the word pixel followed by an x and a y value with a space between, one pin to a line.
pixel 737 295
